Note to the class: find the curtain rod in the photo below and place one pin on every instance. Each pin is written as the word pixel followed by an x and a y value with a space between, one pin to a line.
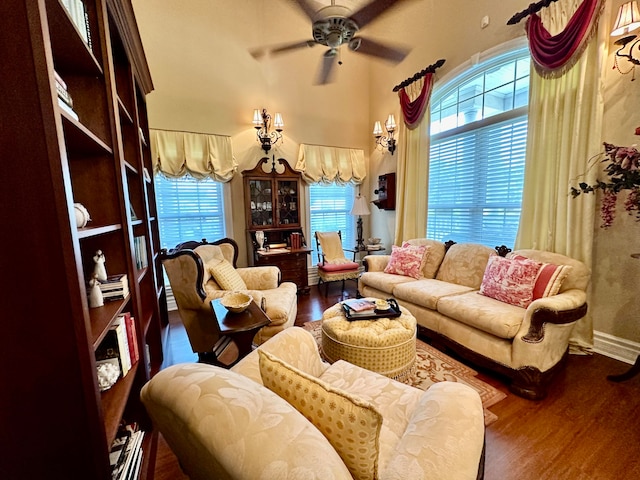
pixel 187 131
pixel 430 69
pixel 531 9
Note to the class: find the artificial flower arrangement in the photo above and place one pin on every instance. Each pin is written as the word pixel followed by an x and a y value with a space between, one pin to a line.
pixel 623 173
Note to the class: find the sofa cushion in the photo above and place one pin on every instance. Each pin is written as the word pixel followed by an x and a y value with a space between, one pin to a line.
pixel 464 264
pixel 484 313
pixel 436 254
pixel 579 275
pixel 427 292
pixel 226 276
pixel 338 267
pixel 510 280
pixel 385 282
pixel 351 425
pixel 549 279
pixel 408 261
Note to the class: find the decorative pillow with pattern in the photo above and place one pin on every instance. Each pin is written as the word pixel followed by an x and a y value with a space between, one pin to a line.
pixel 510 281
pixel 227 277
pixel 351 425
pixel 549 279
pixel 407 260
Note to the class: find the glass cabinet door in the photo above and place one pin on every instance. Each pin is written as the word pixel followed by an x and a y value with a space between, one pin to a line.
pixel 261 205
pixel 288 205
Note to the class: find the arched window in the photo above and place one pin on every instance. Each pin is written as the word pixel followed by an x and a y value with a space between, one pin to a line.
pixel 478 143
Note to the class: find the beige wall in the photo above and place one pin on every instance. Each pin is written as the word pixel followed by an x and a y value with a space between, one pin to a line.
pixel 207 82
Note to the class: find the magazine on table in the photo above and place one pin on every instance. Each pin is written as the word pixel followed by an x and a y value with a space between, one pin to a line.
pixel 358 305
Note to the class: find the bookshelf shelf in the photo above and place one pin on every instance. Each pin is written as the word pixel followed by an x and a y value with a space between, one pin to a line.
pixel 79 136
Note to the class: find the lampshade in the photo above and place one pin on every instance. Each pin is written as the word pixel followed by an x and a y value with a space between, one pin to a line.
pixel 257 118
pixel 377 129
pixel 278 123
pixel 360 206
pixel 628 19
pixel 390 123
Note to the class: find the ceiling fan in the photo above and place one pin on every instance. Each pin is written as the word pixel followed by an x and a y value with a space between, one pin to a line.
pixel 335 25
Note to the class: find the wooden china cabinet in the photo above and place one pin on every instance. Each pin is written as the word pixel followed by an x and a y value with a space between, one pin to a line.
pixel 272 205
pixel 74 130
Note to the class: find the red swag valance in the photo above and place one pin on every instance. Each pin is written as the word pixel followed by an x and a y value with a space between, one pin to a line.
pixel 413 111
pixel 554 55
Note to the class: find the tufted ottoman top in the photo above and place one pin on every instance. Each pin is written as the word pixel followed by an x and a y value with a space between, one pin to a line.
pixel 385 345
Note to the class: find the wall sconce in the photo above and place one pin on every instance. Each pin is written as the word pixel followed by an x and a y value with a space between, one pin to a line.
pixel 386 142
pixel 262 124
pixel 628 20
pixel 360 207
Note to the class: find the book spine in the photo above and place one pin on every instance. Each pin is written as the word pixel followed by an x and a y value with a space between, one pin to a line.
pixel 131 337
pixel 123 346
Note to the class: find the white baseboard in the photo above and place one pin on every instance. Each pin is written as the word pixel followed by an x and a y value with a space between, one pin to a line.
pixel 615 347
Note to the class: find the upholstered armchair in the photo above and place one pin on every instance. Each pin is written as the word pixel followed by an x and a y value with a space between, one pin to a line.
pixel 333 265
pixel 282 412
pixel 201 271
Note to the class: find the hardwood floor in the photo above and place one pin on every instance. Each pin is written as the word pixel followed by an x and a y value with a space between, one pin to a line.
pixel 587 427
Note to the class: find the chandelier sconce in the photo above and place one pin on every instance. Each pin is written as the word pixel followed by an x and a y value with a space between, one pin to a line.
pixel 262 124
pixel 627 21
pixel 387 142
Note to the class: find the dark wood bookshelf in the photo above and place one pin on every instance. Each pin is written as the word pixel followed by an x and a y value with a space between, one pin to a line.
pixel 97 159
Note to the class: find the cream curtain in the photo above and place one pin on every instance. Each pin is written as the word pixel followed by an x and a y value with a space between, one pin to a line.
pixel 320 164
pixel 565 122
pixel 412 175
pixel 201 155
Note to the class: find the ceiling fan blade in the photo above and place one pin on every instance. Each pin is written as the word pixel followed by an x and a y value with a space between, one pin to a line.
pixel 374 48
pixel 371 11
pixel 260 52
pixel 309 7
pixel 326 68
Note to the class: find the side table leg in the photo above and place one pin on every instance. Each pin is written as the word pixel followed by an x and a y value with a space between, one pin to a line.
pixel 632 372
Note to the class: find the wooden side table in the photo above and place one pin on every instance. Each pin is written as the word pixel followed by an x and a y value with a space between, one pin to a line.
pixel 239 328
pixel 292 264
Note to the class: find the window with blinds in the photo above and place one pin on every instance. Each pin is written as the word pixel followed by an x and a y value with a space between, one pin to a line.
pixel 477 156
pixel 329 207
pixel 189 209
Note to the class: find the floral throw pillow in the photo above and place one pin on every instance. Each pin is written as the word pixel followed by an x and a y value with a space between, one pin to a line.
pixel 509 280
pixel 549 278
pixel 408 260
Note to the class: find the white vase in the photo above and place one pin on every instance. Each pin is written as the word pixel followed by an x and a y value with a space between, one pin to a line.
pixel 260 239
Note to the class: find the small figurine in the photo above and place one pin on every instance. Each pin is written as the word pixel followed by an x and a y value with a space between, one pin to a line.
pixel 95 294
pixel 99 269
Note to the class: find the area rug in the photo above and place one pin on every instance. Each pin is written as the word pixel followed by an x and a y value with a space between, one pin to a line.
pixel 434 366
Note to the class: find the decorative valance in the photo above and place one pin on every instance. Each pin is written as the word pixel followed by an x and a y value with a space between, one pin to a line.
pixel 199 154
pixel 414 98
pixel 553 55
pixel 320 164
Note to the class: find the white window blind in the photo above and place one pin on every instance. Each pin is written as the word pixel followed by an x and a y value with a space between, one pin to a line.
pixel 189 209
pixel 477 155
pixel 329 207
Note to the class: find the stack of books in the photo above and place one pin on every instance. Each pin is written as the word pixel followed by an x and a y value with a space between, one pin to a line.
pixel 359 307
pixel 140 251
pixel 295 239
pixel 126 453
pixel 115 287
pixel 64 98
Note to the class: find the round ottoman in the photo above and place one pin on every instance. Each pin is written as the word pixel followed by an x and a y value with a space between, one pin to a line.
pixel 384 345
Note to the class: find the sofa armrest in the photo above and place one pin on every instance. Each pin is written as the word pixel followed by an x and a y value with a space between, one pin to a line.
pixel 260 278
pixel 445 431
pixel 222 425
pixel 294 345
pixel 375 263
pixel 566 307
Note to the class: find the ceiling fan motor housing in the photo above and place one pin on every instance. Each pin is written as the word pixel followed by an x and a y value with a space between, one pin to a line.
pixel 333 27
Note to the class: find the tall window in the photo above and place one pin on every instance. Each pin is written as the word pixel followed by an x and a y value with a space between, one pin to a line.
pixel 478 142
pixel 329 209
pixel 189 209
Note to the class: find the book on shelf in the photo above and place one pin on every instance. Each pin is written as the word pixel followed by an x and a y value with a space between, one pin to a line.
pixel 115 285
pixel 130 325
pixel 358 305
pixel 67 108
pixel 126 453
pixel 109 349
pixel 140 251
pixel 123 343
pixel 79 15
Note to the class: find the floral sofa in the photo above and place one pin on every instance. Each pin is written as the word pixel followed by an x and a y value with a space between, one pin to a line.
pixel 313 420
pixel 517 323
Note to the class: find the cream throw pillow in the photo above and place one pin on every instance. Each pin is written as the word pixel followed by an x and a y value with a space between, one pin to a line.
pixel 351 425
pixel 227 277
